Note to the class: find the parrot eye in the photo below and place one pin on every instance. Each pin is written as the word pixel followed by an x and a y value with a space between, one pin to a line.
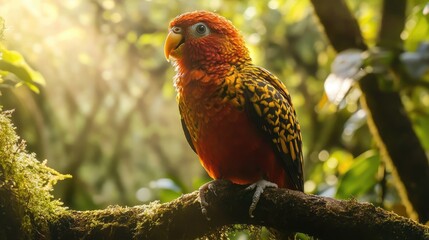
pixel 200 29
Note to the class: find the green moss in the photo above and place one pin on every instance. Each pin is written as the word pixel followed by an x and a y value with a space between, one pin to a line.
pixel 26 202
pixel 239 231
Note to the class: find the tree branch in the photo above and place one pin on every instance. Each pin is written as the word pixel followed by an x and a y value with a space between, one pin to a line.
pixel 387 117
pixel 278 208
pixel 390 119
pixel 341 28
pixel 28 210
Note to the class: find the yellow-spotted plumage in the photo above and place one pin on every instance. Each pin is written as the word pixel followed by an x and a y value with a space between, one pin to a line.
pixel 268 103
pixel 236 116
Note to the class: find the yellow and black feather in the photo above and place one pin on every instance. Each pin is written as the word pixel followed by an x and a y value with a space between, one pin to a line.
pixel 266 100
pixel 269 105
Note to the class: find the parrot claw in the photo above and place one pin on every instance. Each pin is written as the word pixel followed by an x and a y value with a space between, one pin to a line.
pixel 204 204
pixel 259 187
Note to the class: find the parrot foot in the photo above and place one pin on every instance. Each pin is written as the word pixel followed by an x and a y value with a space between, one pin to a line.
pixel 259 187
pixel 204 204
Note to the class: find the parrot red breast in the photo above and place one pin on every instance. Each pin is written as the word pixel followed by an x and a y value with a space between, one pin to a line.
pixel 236 116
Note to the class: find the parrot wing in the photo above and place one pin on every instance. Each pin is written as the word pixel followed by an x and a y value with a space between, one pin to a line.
pixel 269 105
pixel 187 133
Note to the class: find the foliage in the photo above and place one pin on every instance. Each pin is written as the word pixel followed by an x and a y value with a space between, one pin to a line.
pixel 117 128
pixel 14 70
pixel 108 116
pixel 26 201
pixel 360 177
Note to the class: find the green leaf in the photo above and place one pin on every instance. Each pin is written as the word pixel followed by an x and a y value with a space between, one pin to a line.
pixel 19 72
pixel 353 123
pixel 166 188
pixel 302 236
pixel 426 9
pixel 417 63
pixel 361 176
pixel 32 87
pixel 345 70
pixel 12 62
pixel 350 66
pixel 378 60
pixel 421 126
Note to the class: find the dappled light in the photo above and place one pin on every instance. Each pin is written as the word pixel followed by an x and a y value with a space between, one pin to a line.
pixel 95 96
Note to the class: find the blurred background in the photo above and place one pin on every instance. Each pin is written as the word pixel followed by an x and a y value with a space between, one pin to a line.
pixel 107 113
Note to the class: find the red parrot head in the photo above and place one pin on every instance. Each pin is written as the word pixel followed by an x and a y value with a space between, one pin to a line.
pixel 204 40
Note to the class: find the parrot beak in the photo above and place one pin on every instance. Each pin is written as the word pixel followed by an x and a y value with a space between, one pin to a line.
pixel 172 46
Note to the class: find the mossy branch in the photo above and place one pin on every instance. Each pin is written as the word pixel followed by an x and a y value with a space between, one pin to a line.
pixel 283 209
pixel 29 211
pixel 26 204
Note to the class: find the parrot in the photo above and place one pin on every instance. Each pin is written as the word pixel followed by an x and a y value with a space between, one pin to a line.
pixel 236 116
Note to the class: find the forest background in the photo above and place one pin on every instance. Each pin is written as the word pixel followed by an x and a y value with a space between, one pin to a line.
pixel 100 103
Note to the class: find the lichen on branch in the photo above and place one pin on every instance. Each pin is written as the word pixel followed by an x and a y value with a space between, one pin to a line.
pixel 26 202
pixel 282 209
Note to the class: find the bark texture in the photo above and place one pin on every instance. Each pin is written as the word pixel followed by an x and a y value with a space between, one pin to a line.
pixel 387 118
pixel 283 209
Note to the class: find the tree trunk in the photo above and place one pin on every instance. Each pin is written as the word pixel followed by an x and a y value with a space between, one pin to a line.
pixel 387 118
